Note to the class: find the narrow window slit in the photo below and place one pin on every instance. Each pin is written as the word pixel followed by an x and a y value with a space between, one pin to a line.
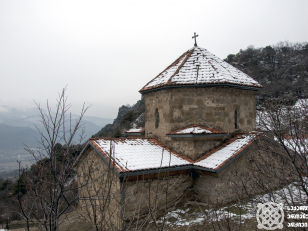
pixel 156 118
pixel 235 119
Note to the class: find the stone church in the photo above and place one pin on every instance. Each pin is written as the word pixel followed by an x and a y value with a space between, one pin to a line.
pixel 200 122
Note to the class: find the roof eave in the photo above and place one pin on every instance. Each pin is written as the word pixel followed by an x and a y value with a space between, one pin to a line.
pixel 252 88
pixel 134 133
pixel 156 170
pixel 104 159
pixel 81 153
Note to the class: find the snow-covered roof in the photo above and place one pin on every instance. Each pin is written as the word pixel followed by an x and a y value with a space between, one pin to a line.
pixel 198 66
pixel 139 154
pixel 220 156
pixel 196 129
pixel 135 130
pixel 135 154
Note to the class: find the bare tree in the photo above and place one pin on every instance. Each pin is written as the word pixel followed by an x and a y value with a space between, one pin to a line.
pixel 288 126
pixel 51 190
pixel 279 166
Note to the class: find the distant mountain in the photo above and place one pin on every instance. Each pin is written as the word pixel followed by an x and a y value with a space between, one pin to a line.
pixel 97 121
pixel 18 127
pixel 17 136
pixel 30 118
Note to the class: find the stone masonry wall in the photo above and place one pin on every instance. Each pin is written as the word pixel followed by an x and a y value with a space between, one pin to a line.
pixel 99 191
pixel 212 107
pixel 224 187
pixel 142 195
pixel 193 148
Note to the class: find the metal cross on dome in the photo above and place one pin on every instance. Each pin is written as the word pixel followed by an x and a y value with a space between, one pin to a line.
pixel 195 37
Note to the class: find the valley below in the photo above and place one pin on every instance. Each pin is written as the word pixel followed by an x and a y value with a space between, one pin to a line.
pixel 19 131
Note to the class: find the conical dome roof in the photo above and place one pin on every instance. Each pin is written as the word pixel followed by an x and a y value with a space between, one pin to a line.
pixel 199 68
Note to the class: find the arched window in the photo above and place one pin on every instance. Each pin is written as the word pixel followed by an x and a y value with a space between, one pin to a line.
pixel 156 118
pixel 235 119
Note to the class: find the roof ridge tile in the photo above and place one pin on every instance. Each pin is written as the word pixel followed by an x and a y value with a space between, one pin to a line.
pixel 180 66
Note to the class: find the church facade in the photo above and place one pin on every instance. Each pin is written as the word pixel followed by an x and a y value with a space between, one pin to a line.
pixel 199 132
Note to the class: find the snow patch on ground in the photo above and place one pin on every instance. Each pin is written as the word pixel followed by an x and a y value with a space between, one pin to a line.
pixel 239 212
pixel 297 144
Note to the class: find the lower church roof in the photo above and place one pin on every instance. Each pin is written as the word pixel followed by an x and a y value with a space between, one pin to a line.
pixel 220 156
pixel 142 155
pixel 136 154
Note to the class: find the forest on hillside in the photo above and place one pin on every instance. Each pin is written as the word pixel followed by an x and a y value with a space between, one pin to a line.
pixel 282 69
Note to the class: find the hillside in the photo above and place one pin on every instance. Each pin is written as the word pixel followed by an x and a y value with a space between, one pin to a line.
pixel 12 146
pixel 128 116
pixel 282 69
pixel 17 137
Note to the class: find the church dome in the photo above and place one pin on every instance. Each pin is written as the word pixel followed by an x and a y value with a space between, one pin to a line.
pixel 198 67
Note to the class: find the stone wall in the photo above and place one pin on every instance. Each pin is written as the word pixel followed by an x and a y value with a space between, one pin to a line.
pixel 155 194
pixel 99 191
pixel 193 148
pixel 224 187
pixel 212 107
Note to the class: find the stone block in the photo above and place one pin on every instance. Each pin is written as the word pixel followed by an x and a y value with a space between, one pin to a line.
pixel 199 102
pixel 189 101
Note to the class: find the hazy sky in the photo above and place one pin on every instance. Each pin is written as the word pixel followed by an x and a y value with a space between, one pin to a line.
pixel 106 51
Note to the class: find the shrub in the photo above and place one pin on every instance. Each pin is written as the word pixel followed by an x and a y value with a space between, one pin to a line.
pixel 128 117
pixel 5 184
